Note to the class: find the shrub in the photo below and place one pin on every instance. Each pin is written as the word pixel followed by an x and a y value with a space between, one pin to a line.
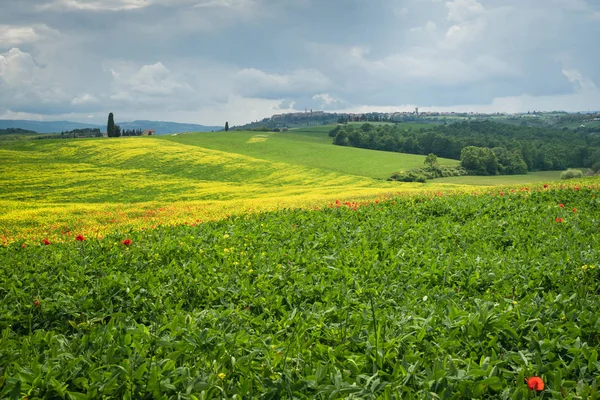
pixel 423 174
pixel 571 173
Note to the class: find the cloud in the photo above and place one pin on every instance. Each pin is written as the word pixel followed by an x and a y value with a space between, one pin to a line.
pixel 463 10
pixel 206 60
pixel 94 5
pixel 252 82
pixel 580 83
pixel 324 99
pixel 26 83
pixel 15 35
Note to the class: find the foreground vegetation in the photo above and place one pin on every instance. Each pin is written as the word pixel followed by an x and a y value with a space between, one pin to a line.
pixel 425 296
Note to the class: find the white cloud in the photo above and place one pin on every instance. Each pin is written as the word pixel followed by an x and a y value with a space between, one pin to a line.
pixel 325 99
pixel 95 5
pixel 463 10
pixel 23 80
pixel 149 86
pixel 15 35
pixel 232 4
pixel 580 83
pixel 434 66
pixel 85 98
pixel 252 82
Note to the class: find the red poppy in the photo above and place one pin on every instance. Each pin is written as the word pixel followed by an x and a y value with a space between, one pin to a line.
pixel 535 383
pixel 127 242
pixel 561 205
pixel 37 303
pixel 574 210
pixel 558 219
pixel 46 242
pixel 24 245
pixel 80 238
pixel 545 185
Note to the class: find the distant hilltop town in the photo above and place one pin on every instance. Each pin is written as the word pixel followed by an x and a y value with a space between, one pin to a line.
pixel 311 118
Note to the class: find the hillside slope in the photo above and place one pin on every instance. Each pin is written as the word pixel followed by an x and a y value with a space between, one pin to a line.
pixel 55 186
pixel 309 147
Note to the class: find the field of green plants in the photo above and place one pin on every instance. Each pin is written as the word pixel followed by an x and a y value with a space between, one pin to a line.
pixel 423 296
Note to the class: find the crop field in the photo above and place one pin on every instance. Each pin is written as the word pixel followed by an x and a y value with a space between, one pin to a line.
pixel 424 295
pixel 55 188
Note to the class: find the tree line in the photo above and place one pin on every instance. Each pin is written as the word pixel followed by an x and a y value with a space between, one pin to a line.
pixel 484 147
pixel 114 130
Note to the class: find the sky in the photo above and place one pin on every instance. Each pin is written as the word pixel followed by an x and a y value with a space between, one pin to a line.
pixel 211 61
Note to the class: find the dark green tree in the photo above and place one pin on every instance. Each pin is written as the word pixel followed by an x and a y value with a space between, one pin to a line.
pixel 226 126
pixel 110 128
pixel 117 132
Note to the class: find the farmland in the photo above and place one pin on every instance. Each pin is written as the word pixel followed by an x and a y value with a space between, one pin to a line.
pixel 463 295
pixel 210 265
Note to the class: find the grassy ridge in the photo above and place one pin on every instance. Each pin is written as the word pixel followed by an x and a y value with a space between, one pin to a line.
pixel 309 147
pixel 432 296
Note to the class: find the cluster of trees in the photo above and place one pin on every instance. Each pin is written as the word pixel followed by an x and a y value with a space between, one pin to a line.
pixel 496 148
pixel 85 132
pixel 16 131
pixel 114 130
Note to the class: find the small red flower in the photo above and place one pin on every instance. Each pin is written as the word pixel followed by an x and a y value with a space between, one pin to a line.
pixel 80 238
pixel 24 245
pixel 545 185
pixel 46 242
pixel 561 205
pixel 558 219
pixel 535 383
pixel 574 210
pixel 37 303
pixel 127 242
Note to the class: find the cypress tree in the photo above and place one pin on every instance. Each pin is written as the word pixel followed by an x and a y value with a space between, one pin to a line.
pixel 110 128
pixel 226 126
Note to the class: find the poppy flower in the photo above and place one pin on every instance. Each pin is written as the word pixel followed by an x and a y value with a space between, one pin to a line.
pixel 561 205
pixel 559 220
pixel 535 383
pixel 127 242
pixel 574 210
pixel 80 238
pixel 46 242
pixel 37 303
pixel 545 185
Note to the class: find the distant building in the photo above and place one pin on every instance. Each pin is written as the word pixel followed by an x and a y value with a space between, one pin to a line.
pixel 148 132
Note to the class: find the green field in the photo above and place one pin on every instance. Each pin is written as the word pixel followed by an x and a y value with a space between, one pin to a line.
pixel 531 177
pixel 54 187
pixel 417 297
pixel 275 265
pixel 96 186
pixel 310 147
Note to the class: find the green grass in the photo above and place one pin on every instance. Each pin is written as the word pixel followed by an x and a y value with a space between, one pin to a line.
pixel 531 177
pixel 308 148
